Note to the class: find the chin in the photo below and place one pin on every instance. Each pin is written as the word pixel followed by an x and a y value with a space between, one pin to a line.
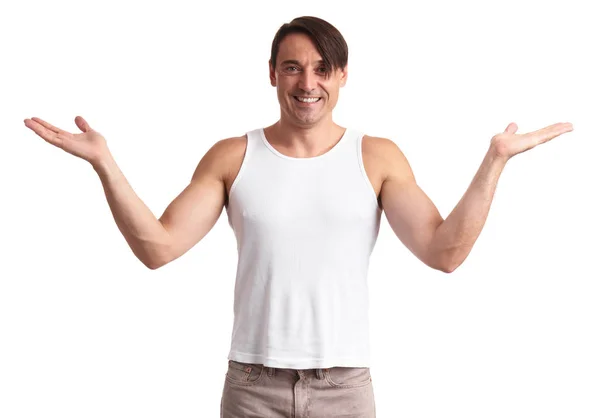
pixel 307 121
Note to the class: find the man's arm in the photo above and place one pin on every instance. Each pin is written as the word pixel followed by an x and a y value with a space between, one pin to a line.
pixel 445 244
pixel 411 214
pixel 196 210
pixel 184 223
pixel 186 220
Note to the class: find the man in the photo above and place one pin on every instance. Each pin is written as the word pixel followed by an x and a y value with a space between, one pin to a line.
pixel 304 197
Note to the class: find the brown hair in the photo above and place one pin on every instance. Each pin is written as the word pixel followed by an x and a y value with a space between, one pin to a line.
pixel 327 39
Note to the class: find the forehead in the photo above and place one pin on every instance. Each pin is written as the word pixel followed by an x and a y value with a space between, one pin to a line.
pixel 298 47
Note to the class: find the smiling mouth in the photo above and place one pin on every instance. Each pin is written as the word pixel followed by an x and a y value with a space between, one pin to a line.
pixel 304 99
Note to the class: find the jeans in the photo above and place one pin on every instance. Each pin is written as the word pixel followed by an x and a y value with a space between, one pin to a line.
pixel 257 391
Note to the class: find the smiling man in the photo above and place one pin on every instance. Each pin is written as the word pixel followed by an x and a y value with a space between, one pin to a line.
pixel 304 198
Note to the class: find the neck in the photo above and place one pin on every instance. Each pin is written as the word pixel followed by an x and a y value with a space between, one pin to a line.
pixel 304 141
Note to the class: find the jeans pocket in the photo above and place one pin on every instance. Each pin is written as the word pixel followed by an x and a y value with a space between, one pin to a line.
pixel 245 374
pixel 348 377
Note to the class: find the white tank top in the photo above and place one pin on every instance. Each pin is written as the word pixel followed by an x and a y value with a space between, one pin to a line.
pixel 305 230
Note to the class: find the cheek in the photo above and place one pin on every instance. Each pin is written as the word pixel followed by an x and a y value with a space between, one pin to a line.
pixel 331 93
pixel 282 94
pixel 284 86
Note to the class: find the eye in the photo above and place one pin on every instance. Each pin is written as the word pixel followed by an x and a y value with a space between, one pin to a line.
pixel 291 68
pixel 322 70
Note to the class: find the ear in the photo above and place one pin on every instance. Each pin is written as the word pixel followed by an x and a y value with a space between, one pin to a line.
pixel 344 76
pixel 272 75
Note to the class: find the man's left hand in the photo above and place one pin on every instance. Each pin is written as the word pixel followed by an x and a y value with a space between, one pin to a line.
pixel 508 143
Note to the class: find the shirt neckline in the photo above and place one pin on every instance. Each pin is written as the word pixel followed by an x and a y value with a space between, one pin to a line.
pixel 287 157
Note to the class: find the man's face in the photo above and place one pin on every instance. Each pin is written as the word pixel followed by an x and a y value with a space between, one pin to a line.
pixel 306 95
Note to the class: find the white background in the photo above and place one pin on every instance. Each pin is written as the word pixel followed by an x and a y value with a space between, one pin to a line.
pixel 87 331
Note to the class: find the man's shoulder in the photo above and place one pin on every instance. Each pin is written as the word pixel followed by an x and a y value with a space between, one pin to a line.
pixel 379 147
pixel 228 150
pixel 223 157
pixel 384 157
pixel 230 145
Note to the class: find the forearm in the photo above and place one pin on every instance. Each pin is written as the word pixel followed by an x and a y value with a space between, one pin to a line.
pixel 146 236
pixel 455 237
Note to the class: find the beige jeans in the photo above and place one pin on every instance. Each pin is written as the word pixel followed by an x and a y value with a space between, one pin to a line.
pixel 256 391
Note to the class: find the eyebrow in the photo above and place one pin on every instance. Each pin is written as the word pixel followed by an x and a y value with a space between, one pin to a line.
pixel 296 62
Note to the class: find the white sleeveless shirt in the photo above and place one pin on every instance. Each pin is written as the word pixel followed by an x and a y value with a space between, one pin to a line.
pixel 305 230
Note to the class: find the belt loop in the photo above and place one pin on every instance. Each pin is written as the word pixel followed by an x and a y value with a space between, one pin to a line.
pixel 270 371
pixel 320 374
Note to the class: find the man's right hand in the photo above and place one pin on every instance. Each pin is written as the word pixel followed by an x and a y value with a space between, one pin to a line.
pixel 89 145
pixel 187 219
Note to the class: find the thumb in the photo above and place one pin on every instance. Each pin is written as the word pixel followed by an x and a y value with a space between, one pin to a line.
pixel 511 128
pixel 82 124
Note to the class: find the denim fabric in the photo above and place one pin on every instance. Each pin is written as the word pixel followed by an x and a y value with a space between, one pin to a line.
pixel 256 391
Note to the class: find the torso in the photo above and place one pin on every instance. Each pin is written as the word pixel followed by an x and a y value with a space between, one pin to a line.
pixel 372 159
pixel 305 228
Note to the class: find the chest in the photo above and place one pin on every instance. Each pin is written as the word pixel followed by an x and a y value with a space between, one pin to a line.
pixel 304 197
pixel 374 171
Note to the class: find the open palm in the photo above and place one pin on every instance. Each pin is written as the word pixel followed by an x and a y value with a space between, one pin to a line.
pixel 508 143
pixel 89 145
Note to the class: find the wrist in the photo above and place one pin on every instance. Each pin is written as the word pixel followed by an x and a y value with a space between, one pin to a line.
pixel 496 153
pixel 105 166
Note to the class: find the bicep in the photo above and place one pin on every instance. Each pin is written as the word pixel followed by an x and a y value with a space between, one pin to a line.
pixel 410 212
pixel 194 212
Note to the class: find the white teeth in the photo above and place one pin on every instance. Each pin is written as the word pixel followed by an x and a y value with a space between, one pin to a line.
pixel 308 99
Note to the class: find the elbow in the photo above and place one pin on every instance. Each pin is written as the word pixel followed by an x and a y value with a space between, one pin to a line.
pixel 443 267
pixel 153 266
pixel 156 258
pixel 154 263
pixel 447 269
pixel 447 264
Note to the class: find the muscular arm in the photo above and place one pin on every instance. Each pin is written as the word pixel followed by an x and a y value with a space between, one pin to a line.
pixel 441 244
pixel 455 237
pixel 444 245
pixel 187 219
pixel 196 210
pixel 145 235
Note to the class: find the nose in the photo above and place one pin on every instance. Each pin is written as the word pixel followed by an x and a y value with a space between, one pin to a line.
pixel 308 81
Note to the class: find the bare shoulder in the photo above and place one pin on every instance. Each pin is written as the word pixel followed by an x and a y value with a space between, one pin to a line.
pixel 223 161
pixel 378 147
pixel 222 155
pixel 233 145
pixel 383 158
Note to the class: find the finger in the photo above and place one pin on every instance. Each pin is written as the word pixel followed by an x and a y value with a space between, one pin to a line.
pixel 511 128
pixel 551 132
pixel 557 127
pixel 49 126
pixel 82 124
pixel 46 134
pixel 568 126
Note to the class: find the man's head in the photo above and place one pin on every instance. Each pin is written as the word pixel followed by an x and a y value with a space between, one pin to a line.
pixel 308 65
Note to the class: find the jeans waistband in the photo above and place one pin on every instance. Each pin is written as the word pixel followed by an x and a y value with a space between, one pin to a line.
pixel 319 373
